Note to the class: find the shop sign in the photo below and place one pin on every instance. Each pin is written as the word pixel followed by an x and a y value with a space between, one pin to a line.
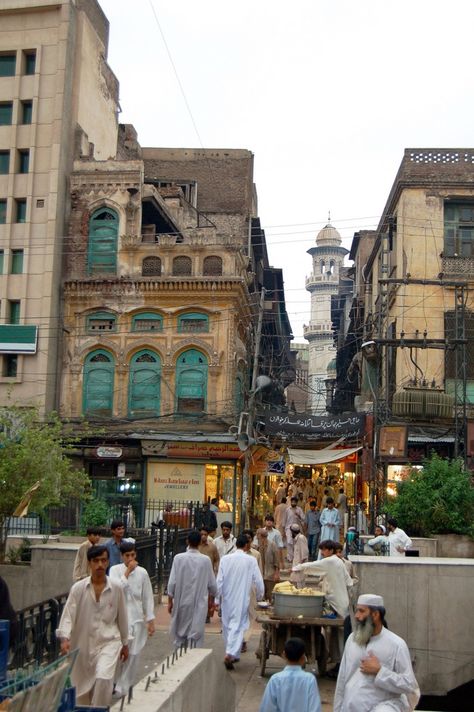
pixel 203 451
pixel 324 428
pixel 108 451
pixel 175 481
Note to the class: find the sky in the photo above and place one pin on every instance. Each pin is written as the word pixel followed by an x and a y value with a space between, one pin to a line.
pixel 327 94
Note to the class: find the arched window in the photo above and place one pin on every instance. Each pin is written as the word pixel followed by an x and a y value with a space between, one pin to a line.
pixel 144 385
pixel 98 384
pixel 182 266
pixel 147 321
pixel 332 267
pixel 323 267
pixel 103 236
pixel 212 266
pixel 101 321
pixel 191 382
pixel 193 323
pixel 151 267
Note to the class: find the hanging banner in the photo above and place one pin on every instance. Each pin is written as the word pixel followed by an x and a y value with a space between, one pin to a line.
pixel 175 481
pixel 322 427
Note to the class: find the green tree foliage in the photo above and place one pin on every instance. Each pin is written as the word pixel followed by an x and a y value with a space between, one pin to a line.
pixel 438 499
pixel 35 451
pixel 95 514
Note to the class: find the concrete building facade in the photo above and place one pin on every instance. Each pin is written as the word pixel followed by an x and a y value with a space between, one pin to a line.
pixel 54 83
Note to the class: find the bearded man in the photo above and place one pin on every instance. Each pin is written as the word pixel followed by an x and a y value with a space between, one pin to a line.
pixel 376 674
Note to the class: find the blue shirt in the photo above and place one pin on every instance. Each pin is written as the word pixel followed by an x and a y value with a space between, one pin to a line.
pixel 115 557
pixel 291 690
pixel 312 522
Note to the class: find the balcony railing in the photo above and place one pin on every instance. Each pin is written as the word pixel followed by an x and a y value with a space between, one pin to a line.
pixel 462 267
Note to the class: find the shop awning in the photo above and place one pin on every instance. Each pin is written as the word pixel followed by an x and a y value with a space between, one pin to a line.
pixel 319 457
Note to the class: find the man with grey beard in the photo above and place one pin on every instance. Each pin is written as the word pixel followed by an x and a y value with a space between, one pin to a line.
pixel 376 674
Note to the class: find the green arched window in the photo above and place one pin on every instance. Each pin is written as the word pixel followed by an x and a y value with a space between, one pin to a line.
pixel 191 382
pixel 103 237
pixel 147 321
pixel 98 384
pixel 144 385
pixel 193 323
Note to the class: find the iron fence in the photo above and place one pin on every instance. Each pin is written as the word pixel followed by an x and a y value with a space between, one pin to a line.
pixel 34 640
pixel 171 541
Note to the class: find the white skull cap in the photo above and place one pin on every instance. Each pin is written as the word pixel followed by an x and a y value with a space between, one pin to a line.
pixel 295 528
pixel 370 599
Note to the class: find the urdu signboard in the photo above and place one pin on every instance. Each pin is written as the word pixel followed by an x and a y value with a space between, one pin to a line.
pixel 350 425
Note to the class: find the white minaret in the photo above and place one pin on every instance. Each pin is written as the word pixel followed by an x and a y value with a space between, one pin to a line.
pixel 328 258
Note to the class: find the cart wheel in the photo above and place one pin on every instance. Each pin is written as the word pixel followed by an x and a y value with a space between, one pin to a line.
pixel 262 652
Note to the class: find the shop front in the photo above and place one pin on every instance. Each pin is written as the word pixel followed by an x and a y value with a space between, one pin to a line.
pixel 182 473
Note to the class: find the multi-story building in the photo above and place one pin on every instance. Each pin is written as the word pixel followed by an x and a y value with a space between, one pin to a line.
pixel 323 284
pixel 414 362
pixel 54 85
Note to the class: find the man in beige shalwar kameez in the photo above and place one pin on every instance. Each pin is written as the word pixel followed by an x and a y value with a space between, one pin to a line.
pixel 94 620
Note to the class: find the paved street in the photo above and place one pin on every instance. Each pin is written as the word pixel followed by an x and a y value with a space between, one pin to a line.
pixel 250 685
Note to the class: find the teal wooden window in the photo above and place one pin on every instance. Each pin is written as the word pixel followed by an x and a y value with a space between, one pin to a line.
pixel 3 212
pixel 30 61
pixel 191 382
pixel 26 112
pixel 6 113
pixel 144 385
pixel 16 266
pixel 458 230
pixel 20 210
pixel 103 237
pixel 4 162
pixel 98 384
pixel 23 160
pixel 2 258
pixel 101 321
pixel 212 266
pixel 7 64
pixel 239 393
pixel 193 323
pixel 147 321
pixel 14 312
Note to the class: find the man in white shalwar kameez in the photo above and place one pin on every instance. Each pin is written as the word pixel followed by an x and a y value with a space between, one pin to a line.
pixel 376 673
pixel 191 591
pixel 138 591
pixel 235 578
pixel 330 521
pixel 94 620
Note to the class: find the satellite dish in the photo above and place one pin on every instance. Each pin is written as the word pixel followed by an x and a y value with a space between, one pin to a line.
pixel 244 441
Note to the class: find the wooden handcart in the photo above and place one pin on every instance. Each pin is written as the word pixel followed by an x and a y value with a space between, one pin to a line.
pixel 276 631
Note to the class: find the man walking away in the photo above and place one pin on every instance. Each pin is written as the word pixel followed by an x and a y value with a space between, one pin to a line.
pixel 313 528
pixel 376 674
pixel 398 540
pixel 226 542
pixel 237 574
pixel 138 591
pixel 292 689
pixel 191 591
pixel 270 561
pixel 94 620
pixel 81 565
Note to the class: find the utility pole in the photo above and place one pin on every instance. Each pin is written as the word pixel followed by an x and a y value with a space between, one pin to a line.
pixel 251 413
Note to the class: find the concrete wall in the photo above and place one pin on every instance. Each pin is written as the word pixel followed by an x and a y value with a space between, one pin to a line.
pixel 195 683
pixel 429 603
pixel 48 575
pixel 455 545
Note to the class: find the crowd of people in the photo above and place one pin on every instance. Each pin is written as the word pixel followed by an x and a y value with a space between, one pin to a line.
pixel 110 614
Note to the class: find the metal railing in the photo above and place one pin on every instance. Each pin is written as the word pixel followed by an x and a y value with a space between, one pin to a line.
pixel 34 637
pixel 171 541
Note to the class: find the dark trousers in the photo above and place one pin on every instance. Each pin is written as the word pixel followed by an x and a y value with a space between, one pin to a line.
pixel 312 544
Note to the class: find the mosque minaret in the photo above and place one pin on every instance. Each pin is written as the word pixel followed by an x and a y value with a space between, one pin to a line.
pixel 323 283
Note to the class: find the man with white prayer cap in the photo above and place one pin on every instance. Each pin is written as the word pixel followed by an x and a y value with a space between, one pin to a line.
pixel 376 674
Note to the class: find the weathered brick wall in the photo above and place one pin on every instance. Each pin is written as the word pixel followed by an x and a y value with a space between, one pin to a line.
pixel 224 177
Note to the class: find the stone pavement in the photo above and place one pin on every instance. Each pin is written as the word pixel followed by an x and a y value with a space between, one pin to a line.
pixel 250 685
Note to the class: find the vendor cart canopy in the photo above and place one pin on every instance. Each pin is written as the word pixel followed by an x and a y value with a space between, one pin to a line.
pixel 319 457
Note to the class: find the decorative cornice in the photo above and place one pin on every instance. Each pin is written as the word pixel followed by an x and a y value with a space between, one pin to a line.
pixel 125 286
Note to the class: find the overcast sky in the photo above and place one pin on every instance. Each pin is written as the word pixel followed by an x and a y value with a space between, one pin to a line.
pixel 325 93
